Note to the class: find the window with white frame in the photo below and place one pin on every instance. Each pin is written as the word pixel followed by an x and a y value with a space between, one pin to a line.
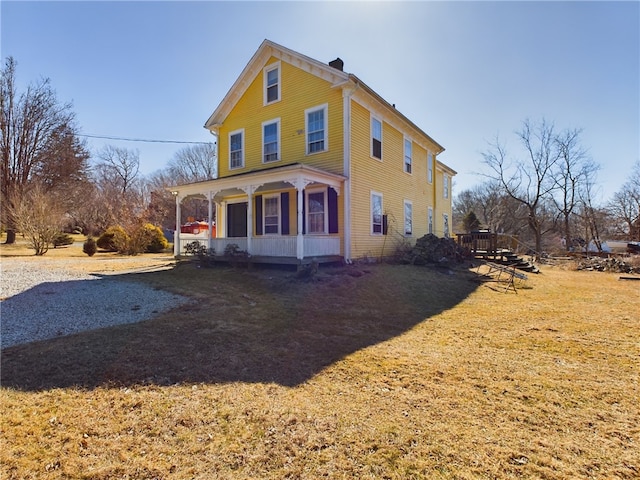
pixel 445 221
pixel 376 213
pixel 271 75
pixel 429 167
pixel 316 127
pixel 408 217
pixel 407 155
pixel 271 141
pixel 317 211
pixel 376 138
pixel 236 149
pixel 430 220
pixel 445 185
pixel 271 214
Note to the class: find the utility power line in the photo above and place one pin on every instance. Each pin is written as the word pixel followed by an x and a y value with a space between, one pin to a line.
pixel 125 139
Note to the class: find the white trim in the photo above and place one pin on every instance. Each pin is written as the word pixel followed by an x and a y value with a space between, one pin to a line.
pixel 236 132
pixel 371 195
pixel 371 137
pixel 404 216
pixel 346 138
pixel 264 124
pixel 265 71
pixel 325 111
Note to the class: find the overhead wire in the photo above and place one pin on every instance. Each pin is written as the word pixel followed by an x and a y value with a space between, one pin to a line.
pixel 125 139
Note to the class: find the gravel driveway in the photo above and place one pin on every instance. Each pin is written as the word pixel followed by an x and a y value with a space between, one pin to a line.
pixel 42 300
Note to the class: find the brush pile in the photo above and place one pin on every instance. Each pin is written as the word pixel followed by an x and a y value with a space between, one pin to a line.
pixel 611 264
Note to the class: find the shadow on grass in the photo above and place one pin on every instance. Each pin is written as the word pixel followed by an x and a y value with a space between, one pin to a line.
pixel 242 326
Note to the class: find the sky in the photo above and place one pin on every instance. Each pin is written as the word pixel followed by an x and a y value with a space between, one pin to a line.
pixel 464 72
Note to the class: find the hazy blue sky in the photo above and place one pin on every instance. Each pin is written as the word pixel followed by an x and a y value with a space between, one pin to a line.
pixel 462 71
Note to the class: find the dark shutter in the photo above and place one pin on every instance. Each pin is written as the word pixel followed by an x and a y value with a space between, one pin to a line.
pixel 332 202
pixel 258 215
pixel 385 224
pixel 284 212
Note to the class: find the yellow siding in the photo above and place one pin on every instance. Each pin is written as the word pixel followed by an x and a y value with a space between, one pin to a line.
pixel 386 177
pixel 249 113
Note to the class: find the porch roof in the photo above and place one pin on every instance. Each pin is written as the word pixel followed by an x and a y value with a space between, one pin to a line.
pixel 295 175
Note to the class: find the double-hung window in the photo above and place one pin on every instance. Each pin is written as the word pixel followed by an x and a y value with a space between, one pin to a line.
pixel 445 186
pixel 408 217
pixel 317 211
pixel 407 155
pixel 236 149
pixel 316 127
pixel 430 221
pixel 271 75
pixel 445 221
pixel 376 213
pixel 376 138
pixel 271 214
pixel 429 167
pixel 271 141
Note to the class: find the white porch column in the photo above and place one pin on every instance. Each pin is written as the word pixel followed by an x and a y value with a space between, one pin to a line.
pixel 249 190
pixel 300 184
pixel 176 233
pixel 210 199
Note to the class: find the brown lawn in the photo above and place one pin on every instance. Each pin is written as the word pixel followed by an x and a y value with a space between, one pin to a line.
pixel 367 372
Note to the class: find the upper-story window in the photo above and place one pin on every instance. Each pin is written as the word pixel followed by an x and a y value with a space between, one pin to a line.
pixel 407 155
pixel 271 75
pixel 445 186
pixel 236 149
pixel 429 167
pixel 316 127
pixel 376 138
pixel 271 141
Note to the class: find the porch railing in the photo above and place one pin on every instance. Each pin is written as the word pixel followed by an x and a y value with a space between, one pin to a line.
pixel 283 246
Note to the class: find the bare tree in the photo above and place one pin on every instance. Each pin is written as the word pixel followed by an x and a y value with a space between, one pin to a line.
pixel 118 168
pixel 573 173
pixel 194 164
pixel 30 123
pixel 625 206
pixel 527 178
pixel 38 217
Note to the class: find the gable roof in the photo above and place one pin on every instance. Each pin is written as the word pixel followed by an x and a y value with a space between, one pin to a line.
pixel 267 50
pixel 325 71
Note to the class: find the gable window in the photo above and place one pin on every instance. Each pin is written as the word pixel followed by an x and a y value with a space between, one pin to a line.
pixel 445 186
pixel 316 127
pixel 317 208
pixel 271 77
pixel 407 155
pixel 376 213
pixel 236 149
pixel 376 138
pixel 430 221
pixel 271 214
pixel 429 167
pixel 445 221
pixel 270 141
pixel 408 217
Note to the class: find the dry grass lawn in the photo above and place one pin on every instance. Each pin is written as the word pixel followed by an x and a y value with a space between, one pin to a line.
pixel 399 373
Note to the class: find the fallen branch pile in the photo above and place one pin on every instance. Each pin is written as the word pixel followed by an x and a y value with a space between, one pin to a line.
pixel 611 264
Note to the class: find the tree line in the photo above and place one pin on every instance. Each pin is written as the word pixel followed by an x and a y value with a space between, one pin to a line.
pixel 50 181
pixel 544 194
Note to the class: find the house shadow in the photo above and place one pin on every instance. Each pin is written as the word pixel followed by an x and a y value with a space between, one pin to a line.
pixel 237 326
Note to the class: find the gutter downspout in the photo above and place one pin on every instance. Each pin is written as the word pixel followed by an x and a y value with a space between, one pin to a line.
pixel 347 92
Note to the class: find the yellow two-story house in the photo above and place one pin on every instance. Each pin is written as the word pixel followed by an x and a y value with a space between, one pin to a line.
pixel 313 164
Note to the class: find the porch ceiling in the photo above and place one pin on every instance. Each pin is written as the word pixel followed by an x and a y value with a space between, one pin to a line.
pixel 296 175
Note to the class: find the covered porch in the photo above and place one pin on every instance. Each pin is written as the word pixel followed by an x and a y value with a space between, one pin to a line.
pixel 290 214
